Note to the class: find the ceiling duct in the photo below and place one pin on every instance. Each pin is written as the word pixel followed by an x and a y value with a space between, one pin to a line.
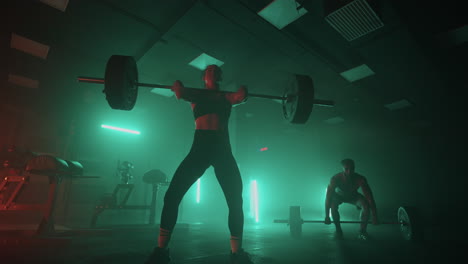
pixel 352 19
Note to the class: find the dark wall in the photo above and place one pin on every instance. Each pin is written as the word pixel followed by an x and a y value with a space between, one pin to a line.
pixel 301 159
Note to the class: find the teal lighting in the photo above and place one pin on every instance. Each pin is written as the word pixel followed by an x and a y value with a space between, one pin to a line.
pixel 202 61
pixel 254 199
pixel 281 13
pixel 398 105
pixel 121 129
pixel 357 73
pixel 198 191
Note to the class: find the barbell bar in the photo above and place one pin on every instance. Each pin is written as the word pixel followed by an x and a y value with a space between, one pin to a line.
pixel 341 222
pixel 319 102
pixel 407 220
pixel 121 85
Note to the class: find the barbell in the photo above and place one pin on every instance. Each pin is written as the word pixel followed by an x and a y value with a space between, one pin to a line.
pixel 121 90
pixel 406 217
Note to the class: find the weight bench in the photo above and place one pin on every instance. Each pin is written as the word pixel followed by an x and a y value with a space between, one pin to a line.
pixel 13 185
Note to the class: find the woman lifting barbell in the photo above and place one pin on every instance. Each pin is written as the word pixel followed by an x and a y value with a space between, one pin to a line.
pixel 211 147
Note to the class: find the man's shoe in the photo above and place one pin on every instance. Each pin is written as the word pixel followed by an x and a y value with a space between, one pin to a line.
pixel 339 234
pixel 159 256
pixel 363 235
pixel 241 257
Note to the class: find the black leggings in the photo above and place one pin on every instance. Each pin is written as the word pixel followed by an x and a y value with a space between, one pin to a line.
pixel 209 148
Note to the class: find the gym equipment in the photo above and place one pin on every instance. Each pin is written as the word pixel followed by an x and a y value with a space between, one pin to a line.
pixel 407 219
pixel 124 170
pixel 121 90
pixel 19 187
pixel 111 202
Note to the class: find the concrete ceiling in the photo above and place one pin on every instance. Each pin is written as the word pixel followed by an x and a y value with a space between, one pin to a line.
pixel 164 36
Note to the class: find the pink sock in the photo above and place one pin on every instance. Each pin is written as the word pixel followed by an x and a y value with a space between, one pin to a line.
pixel 236 244
pixel 164 238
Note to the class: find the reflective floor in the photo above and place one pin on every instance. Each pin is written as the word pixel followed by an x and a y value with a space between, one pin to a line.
pixel 205 243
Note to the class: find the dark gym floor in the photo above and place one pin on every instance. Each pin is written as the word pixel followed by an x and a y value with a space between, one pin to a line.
pixel 205 243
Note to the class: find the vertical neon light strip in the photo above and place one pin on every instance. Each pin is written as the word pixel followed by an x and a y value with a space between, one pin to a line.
pixel 254 197
pixel 198 191
pixel 329 213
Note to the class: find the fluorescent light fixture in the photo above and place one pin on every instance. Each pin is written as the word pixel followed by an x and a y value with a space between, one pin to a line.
pixel 254 199
pixel 23 81
pixel 121 129
pixel 357 73
pixel 29 46
pixel 198 191
pixel 204 60
pixel 398 105
pixel 281 13
pixel 57 4
pixel 334 120
pixel 329 212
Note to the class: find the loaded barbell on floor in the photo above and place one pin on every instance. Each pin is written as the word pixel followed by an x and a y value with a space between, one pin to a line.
pixel 121 89
pixel 406 218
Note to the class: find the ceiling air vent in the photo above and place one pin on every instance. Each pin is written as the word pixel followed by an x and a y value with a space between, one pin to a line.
pixel 354 20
